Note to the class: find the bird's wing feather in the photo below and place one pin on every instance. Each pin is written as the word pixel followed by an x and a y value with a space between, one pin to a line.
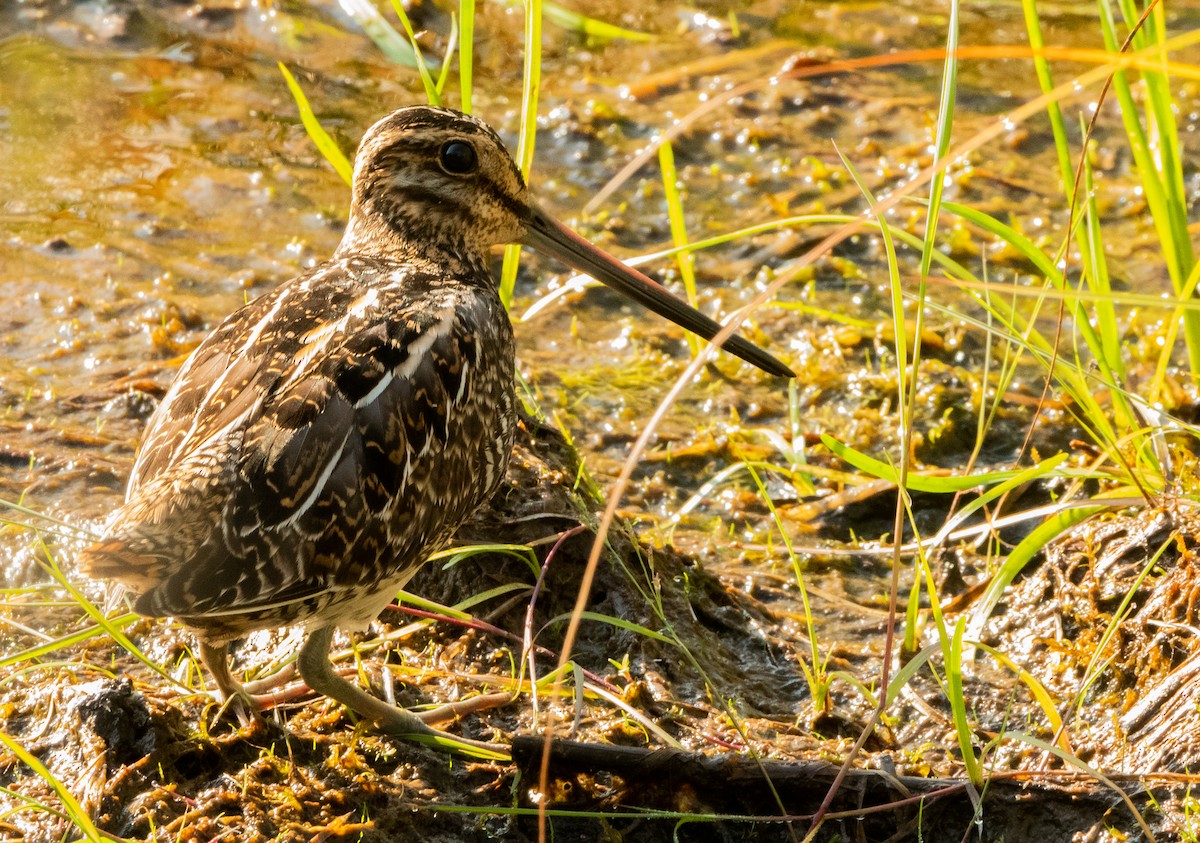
pixel 325 430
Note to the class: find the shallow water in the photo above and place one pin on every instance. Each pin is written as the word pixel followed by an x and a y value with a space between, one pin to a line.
pixel 156 176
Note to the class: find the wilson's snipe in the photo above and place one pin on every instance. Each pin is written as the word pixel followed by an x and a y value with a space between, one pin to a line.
pixel 328 436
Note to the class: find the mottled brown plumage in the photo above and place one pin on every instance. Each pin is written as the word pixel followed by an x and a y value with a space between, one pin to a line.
pixel 330 435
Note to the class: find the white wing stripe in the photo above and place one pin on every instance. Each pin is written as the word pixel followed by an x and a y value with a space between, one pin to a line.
pixel 319 486
pixel 376 392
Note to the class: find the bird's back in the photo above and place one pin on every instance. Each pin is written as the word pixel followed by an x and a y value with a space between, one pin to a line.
pixel 316 447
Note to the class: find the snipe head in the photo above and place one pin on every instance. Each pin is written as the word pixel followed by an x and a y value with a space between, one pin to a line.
pixel 440 184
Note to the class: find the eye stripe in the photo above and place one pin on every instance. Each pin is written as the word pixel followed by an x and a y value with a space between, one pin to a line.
pixel 404 150
pixel 417 195
pixel 502 197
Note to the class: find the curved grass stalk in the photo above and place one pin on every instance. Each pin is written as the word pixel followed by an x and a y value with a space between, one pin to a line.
pixel 1082 766
pixel 683 257
pixel 531 81
pixel 432 92
pixel 451 49
pixel 816 674
pixel 1040 695
pixel 325 144
pixel 390 42
pixel 72 810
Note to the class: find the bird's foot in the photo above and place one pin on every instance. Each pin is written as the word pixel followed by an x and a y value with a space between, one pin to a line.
pixel 246 702
pixel 274 682
pixel 402 723
pixel 454 710
pixel 239 705
pixel 313 664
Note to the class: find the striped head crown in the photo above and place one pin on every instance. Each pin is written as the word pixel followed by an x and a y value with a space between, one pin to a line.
pixel 429 180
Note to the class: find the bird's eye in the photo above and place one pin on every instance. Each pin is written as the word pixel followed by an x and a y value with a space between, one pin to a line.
pixel 458 158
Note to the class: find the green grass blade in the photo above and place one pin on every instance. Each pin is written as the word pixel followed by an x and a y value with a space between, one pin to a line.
pixel 107 624
pixel 590 27
pixel 60 526
pixel 907 672
pixel 1155 156
pixel 466 52
pixel 325 144
pixel 459 609
pixel 451 49
pixel 683 257
pixel 620 623
pixel 908 400
pixel 1080 390
pixel 1042 470
pixel 1029 250
pixel 456 554
pixel 924 482
pixel 1041 696
pixel 1020 556
pixel 632 713
pixel 1186 299
pixel 69 640
pixel 816 676
pixel 1163 129
pixel 432 92
pixel 30 804
pixel 530 89
pixel 958 705
pixel 945 124
pixel 1058 126
pixel 895 287
pixel 1104 314
pixel 390 42
pixel 74 810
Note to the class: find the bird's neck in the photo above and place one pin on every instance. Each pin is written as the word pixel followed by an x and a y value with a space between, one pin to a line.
pixel 369 236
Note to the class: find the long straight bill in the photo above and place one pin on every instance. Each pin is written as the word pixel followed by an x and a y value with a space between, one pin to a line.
pixel 551 237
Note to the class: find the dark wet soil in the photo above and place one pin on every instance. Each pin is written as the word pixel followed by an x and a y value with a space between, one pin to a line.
pixel 154 175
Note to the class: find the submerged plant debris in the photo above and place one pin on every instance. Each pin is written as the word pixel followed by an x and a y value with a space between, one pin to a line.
pixel 156 175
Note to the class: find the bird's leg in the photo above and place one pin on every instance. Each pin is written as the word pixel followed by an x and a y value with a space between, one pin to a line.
pixel 245 706
pixel 247 701
pixel 276 680
pixel 316 669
